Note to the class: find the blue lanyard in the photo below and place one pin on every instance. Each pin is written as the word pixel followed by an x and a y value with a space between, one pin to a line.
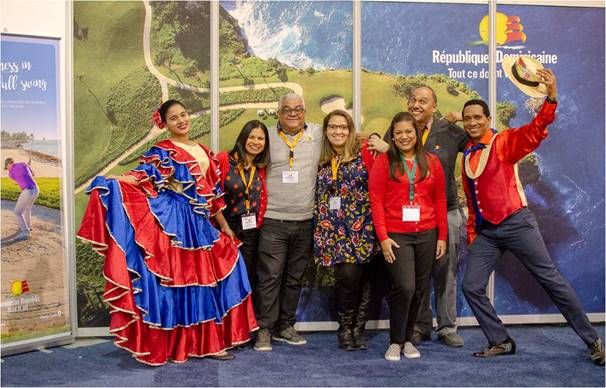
pixel 411 177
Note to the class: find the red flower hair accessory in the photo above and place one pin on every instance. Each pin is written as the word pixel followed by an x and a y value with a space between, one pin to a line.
pixel 157 119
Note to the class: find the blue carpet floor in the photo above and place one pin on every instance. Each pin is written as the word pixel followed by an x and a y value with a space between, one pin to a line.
pixel 547 356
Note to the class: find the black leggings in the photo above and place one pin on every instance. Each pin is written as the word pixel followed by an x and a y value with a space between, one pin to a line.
pixel 409 276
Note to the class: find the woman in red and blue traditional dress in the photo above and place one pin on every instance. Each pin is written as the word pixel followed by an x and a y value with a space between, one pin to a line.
pixel 176 286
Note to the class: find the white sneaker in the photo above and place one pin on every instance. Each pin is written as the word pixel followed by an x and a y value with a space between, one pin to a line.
pixel 393 352
pixel 410 351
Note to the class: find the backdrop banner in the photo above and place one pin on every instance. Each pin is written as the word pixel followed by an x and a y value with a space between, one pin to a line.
pixel 35 288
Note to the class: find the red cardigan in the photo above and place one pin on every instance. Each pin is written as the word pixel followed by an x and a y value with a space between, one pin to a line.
pixel 387 197
pixel 225 167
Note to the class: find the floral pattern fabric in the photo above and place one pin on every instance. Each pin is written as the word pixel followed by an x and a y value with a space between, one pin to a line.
pixel 345 235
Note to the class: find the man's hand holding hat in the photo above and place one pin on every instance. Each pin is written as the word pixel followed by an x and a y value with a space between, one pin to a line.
pixel 549 80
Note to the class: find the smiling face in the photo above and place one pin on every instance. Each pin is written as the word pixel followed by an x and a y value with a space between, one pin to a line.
pixel 255 144
pixel 337 132
pixel 405 137
pixel 177 120
pixel 421 105
pixel 475 122
pixel 292 114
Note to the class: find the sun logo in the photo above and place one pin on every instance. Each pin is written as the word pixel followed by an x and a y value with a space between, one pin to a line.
pixel 508 30
pixel 19 287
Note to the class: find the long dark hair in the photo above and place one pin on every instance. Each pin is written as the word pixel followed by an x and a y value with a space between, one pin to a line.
pixel 239 150
pixel 393 154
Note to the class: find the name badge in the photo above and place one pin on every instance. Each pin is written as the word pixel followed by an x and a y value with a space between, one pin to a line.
pixel 334 203
pixel 249 221
pixel 290 176
pixel 411 213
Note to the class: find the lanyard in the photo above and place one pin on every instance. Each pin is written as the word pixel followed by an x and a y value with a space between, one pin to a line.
pixel 411 177
pixel 335 162
pixel 291 155
pixel 425 135
pixel 248 185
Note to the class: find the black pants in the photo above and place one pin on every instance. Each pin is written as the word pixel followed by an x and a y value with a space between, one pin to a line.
pixel 520 234
pixel 409 276
pixel 353 294
pixel 249 248
pixel 284 250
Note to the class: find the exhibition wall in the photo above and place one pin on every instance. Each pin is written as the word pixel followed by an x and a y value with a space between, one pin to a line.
pixel 128 56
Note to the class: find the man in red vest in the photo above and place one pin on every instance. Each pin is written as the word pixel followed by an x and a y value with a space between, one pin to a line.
pixel 499 220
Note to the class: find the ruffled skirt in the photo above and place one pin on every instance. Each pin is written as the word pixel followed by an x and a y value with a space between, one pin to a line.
pixel 176 287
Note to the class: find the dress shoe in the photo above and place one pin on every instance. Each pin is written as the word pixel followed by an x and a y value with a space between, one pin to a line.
pixel 505 348
pixel 223 356
pixel 597 352
pixel 452 339
pixel 417 338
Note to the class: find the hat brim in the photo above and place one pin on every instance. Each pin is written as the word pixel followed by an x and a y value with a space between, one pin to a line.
pixel 536 91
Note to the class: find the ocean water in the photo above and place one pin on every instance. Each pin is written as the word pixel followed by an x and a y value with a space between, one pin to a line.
pixel 49 147
pixel 298 33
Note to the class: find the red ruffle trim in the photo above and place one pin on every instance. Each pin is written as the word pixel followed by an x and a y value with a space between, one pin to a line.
pixel 176 266
pixel 155 346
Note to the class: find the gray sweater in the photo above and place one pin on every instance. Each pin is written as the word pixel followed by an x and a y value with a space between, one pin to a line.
pixel 293 201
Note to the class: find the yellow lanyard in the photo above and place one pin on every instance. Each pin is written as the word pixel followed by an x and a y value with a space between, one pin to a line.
pixel 335 162
pixel 248 185
pixel 426 135
pixel 291 156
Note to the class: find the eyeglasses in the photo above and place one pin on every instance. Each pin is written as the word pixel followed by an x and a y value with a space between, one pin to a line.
pixel 333 127
pixel 298 111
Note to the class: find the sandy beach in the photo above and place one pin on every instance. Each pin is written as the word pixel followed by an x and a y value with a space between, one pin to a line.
pixel 39 262
pixel 43 166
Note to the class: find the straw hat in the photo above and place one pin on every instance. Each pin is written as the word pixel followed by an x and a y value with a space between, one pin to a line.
pixel 522 72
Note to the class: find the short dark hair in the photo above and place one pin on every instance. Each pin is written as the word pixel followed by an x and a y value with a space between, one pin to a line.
pixel 7 162
pixel 433 92
pixel 483 104
pixel 166 105
pixel 239 150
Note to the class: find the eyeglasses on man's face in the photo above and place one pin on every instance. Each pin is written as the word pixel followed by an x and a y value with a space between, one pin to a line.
pixel 297 111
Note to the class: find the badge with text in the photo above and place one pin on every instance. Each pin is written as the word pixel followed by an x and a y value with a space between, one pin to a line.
pixel 249 221
pixel 411 213
pixel 290 176
pixel 334 203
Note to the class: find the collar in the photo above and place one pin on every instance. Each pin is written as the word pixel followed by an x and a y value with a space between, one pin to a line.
pixel 429 124
pixel 485 140
pixel 279 128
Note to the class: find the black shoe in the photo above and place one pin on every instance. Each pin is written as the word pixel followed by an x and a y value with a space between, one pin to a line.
pixel 597 352
pixel 505 348
pixel 223 356
pixel 346 341
pixel 417 338
pixel 359 339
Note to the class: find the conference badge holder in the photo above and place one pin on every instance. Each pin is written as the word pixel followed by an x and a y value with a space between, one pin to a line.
pixel 249 221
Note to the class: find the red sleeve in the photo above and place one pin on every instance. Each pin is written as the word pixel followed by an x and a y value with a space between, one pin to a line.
pixel 471 217
pixel 439 196
pixel 367 156
pixel 515 143
pixel 377 188
pixel 223 158
pixel 214 178
pixel 263 204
